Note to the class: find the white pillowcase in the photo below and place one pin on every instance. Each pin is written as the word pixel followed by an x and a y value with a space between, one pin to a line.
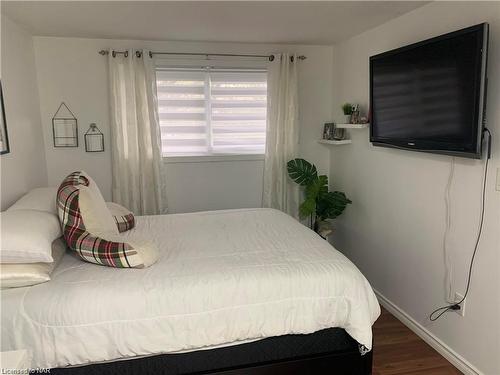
pixel 27 236
pixel 93 209
pixel 93 187
pixel 26 274
pixel 95 213
pixel 40 199
pixel 117 209
pixel 146 252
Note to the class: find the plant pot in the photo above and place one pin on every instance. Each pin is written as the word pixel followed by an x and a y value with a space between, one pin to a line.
pixel 323 228
pixel 347 119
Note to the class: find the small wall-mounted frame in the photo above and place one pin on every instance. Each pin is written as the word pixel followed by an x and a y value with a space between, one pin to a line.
pixel 328 130
pixel 4 138
pixel 64 127
pixel 94 139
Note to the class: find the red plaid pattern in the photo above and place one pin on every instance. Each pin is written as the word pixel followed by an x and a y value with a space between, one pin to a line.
pixel 87 246
pixel 125 222
pixel 124 219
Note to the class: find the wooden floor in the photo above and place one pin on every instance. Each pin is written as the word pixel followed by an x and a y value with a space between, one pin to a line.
pixel 397 350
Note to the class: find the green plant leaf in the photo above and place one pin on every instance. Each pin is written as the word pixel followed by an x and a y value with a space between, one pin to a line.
pixel 313 191
pixel 331 205
pixel 317 187
pixel 301 171
pixel 347 108
pixel 307 208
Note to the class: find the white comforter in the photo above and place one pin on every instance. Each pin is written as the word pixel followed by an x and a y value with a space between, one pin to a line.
pixel 223 277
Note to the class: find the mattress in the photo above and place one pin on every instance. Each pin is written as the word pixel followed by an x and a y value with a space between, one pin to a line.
pixel 223 278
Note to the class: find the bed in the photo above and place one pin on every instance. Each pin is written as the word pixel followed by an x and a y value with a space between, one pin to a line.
pixel 235 290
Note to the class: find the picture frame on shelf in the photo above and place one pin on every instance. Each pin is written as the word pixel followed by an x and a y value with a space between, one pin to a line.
pixel 355 114
pixel 329 131
pixel 339 134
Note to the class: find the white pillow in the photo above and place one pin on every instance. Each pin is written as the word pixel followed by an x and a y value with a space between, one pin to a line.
pixel 93 186
pixel 26 274
pixel 40 199
pixel 145 252
pixel 95 213
pixel 27 235
pixel 117 209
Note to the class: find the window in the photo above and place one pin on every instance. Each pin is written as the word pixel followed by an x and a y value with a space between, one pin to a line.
pixel 208 111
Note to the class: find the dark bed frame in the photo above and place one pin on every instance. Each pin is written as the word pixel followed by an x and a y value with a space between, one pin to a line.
pixel 330 351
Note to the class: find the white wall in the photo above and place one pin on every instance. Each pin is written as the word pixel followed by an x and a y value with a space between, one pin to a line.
pixel 71 70
pixel 24 167
pixel 394 229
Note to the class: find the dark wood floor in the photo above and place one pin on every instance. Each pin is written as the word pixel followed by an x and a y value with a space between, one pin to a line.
pixel 397 350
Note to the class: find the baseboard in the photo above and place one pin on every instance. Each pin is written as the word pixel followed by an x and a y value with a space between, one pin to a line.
pixel 453 357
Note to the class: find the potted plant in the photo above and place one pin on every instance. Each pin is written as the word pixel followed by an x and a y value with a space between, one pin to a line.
pixel 320 204
pixel 347 110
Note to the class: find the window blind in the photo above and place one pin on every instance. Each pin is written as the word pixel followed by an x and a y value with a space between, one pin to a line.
pixel 211 111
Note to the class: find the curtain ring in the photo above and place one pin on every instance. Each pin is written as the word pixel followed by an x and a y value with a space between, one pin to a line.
pixel 138 54
pixel 150 54
pixel 125 54
pixel 113 53
pixel 292 58
pixel 271 57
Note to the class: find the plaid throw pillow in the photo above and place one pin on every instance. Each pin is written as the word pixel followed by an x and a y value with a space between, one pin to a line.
pixel 124 219
pixel 104 248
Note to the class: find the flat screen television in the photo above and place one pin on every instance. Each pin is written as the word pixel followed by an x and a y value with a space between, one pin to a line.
pixel 430 96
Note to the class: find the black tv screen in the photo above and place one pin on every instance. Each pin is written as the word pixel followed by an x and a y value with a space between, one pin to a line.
pixel 430 96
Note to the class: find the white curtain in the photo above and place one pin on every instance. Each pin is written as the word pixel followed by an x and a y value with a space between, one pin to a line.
pixel 138 182
pixel 282 135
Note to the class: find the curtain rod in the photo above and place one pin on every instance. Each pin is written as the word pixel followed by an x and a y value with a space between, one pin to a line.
pixel 151 53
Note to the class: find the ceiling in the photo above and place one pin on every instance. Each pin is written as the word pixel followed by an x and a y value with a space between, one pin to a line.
pixel 298 22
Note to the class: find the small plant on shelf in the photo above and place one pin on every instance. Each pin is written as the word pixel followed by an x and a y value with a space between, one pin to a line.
pixel 320 204
pixel 347 110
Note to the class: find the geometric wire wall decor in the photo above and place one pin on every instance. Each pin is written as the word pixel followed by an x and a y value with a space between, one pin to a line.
pixel 94 139
pixel 64 127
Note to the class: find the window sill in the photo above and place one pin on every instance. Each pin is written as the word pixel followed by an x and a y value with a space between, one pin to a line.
pixel 211 158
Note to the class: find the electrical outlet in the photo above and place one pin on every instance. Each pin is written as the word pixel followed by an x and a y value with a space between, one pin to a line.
pixel 458 297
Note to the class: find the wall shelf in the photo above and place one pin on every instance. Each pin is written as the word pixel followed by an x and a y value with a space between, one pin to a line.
pixel 333 142
pixel 351 126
